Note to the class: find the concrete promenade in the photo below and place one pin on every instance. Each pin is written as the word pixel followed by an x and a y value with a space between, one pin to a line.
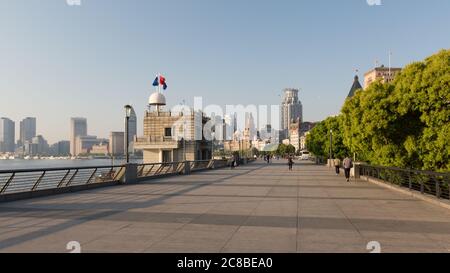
pixel 254 208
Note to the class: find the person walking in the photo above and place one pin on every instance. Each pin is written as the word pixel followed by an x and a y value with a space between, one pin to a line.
pixel 290 162
pixel 337 165
pixel 348 165
pixel 233 161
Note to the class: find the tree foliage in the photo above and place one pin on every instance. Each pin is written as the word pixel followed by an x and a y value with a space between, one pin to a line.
pixel 405 123
pixel 318 141
pixel 284 150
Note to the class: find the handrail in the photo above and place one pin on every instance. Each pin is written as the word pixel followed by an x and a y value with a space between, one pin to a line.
pixel 31 180
pixel 410 170
pixel 425 182
pixel 57 169
pixel 20 181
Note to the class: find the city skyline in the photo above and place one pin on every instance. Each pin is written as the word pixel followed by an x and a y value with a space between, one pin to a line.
pixel 64 61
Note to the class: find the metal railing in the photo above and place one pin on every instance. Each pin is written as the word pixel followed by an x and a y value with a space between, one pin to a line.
pixel 425 182
pixel 29 180
pixel 158 169
pixel 34 180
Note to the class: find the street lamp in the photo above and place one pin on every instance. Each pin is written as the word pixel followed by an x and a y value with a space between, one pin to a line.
pixel 331 147
pixel 128 109
pixel 213 134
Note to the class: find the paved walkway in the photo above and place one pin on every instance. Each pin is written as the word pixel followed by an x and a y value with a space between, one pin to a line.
pixel 255 208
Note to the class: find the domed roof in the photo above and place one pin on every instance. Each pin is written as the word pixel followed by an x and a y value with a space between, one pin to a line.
pixel 157 99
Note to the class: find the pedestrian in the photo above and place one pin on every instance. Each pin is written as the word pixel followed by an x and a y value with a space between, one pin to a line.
pixel 348 165
pixel 337 165
pixel 290 163
pixel 233 161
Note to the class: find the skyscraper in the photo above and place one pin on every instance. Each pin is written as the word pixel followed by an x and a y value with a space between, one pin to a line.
pixel 291 110
pixel 250 125
pixel 7 135
pixel 27 130
pixel 116 143
pixel 78 128
pixel 132 130
pixel 41 145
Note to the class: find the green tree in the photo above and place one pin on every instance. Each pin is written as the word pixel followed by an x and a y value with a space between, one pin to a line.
pixel 290 149
pixel 318 141
pixel 405 123
pixel 281 150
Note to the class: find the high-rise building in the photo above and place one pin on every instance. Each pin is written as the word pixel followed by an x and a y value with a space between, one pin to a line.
pixel 117 143
pixel 291 110
pixel 386 74
pixel 27 130
pixel 250 126
pixel 41 145
pixel 132 131
pixel 78 128
pixel 61 148
pixel 7 135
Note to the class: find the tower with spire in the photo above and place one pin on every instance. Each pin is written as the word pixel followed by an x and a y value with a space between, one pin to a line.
pixel 355 87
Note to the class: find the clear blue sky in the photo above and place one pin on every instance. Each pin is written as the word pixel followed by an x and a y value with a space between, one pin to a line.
pixel 59 61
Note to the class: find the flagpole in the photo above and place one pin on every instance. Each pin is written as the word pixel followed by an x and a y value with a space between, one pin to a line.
pixel 159 85
pixel 159 91
pixel 390 54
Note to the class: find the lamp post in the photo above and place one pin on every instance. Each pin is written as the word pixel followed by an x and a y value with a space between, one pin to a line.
pixel 331 148
pixel 213 134
pixel 127 141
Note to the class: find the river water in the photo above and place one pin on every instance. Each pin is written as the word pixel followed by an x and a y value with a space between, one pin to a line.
pixel 15 164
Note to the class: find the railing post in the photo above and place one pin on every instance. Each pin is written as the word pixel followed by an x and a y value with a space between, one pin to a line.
pixel 130 173
pixel 187 168
pixel 410 179
pixel 422 187
pixel 438 189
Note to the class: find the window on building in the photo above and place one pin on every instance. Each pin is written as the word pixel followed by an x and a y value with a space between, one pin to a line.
pixel 168 132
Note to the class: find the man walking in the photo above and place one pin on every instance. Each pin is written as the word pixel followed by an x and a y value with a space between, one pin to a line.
pixel 337 165
pixel 290 162
pixel 348 165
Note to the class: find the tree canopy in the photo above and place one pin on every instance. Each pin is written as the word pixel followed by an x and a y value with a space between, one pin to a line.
pixel 318 141
pixel 405 123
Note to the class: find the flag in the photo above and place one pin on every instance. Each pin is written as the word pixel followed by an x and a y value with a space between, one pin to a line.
pixel 156 82
pixel 162 81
